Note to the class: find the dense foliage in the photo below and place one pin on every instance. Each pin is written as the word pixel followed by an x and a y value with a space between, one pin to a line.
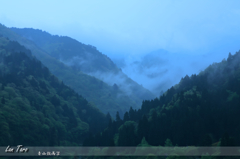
pixel 105 97
pixel 65 48
pixel 202 110
pixel 87 59
pixel 38 109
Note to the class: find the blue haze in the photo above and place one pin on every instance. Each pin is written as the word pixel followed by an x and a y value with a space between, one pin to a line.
pixel 201 32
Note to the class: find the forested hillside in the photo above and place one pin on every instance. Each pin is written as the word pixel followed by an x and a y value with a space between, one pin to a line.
pixel 87 59
pixel 36 108
pixel 106 98
pixel 66 49
pixel 202 110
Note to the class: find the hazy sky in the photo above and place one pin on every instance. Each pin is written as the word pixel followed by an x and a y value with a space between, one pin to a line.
pixel 133 26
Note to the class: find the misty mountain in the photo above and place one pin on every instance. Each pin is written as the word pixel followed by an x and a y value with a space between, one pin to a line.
pixel 160 69
pixel 106 98
pixel 87 59
pixel 71 52
pixel 201 110
pixel 36 108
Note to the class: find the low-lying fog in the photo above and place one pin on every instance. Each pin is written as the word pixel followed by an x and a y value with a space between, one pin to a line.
pixel 159 70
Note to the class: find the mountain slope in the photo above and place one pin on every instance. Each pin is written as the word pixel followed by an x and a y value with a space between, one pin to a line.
pixel 36 108
pixel 159 70
pixel 87 59
pixel 201 110
pixel 69 50
pixel 105 97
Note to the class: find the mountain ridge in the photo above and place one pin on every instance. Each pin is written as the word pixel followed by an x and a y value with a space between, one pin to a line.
pixel 94 90
pixel 87 59
pixel 203 107
pixel 36 108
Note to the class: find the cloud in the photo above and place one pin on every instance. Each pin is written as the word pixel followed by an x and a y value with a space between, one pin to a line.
pixel 169 70
pixel 127 30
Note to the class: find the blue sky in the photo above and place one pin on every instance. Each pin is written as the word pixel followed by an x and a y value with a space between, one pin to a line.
pixel 120 27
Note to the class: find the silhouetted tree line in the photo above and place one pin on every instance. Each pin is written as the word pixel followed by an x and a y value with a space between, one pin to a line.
pixel 201 110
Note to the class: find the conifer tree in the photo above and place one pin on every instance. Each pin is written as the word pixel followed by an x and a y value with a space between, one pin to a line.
pixel 126 117
pixel 118 117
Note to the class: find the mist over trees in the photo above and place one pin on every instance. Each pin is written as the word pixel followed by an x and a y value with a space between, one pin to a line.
pixel 87 59
pixel 201 110
pixel 159 70
pixel 144 76
pixel 38 109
